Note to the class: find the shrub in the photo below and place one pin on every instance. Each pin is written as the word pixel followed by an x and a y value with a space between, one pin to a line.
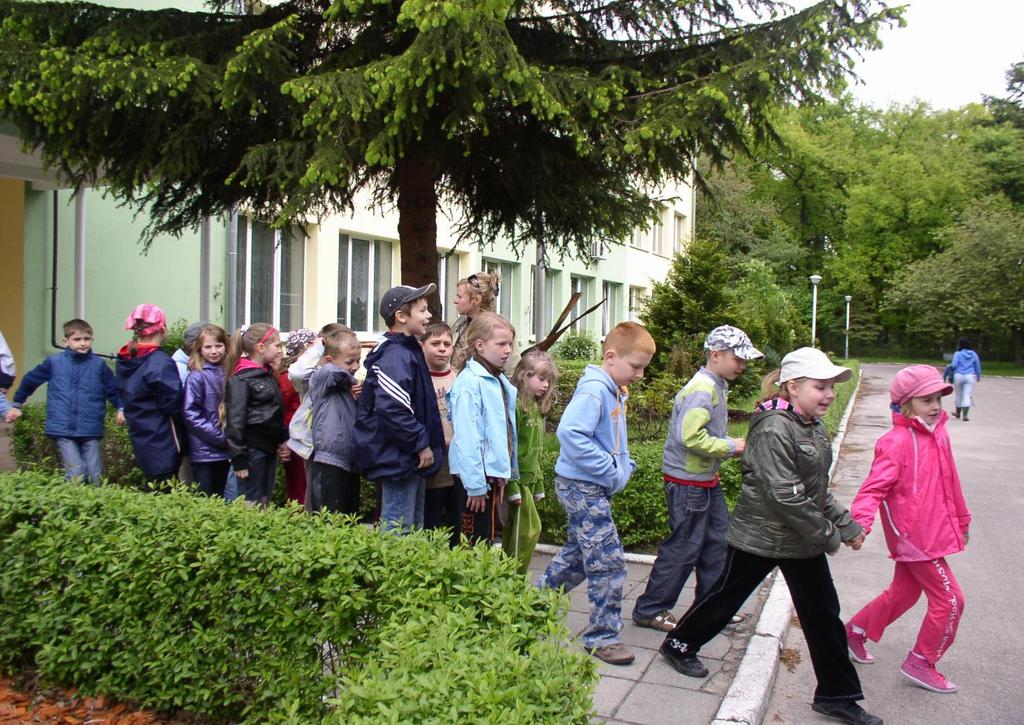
pixel 576 345
pixel 235 614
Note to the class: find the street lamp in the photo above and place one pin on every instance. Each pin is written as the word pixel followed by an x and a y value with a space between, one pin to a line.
pixel 815 279
pixel 846 356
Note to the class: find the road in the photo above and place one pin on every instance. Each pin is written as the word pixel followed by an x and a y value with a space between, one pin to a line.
pixel 987 658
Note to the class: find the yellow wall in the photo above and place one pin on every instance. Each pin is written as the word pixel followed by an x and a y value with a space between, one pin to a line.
pixel 12 271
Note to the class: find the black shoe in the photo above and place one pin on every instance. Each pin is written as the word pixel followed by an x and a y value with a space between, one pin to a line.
pixel 684 663
pixel 849 712
pixel 965 414
pixel 957 413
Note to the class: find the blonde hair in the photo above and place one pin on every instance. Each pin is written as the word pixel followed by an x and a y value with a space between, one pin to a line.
pixel 771 388
pixel 339 342
pixel 627 337
pixel 483 286
pixel 219 334
pixel 535 362
pixel 245 340
pixel 482 328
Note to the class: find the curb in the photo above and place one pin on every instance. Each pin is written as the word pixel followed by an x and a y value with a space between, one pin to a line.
pixel 751 688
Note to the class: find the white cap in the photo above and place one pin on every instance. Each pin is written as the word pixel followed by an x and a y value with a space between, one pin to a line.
pixel 809 362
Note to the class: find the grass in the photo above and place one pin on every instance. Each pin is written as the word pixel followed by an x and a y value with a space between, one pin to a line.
pixel 996 368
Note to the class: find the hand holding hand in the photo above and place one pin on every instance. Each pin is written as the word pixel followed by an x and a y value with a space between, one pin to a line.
pixel 12 415
pixel 121 420
pixel 284 453
pixel 856 542
pixel 242 473
pixel 357 388
pixel 741 445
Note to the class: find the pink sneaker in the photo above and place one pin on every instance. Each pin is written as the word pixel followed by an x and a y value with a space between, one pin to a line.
pixel 855 645
pixel 922 674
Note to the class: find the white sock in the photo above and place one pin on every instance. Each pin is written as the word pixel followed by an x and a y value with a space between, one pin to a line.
pixel 855 628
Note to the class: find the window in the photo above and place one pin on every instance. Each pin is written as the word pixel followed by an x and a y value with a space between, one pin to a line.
pixel 548 317
pixel 678 233
pixel 364 275
pixel 610 310
pixel 507 271
pixel 582 286
pixel 271 266
pixel 637 240
pixel 636 298
pixel 447 281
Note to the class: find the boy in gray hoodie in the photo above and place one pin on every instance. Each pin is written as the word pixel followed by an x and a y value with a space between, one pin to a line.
pixel 334 483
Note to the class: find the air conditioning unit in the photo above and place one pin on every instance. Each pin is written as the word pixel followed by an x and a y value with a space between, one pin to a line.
pixel 598 250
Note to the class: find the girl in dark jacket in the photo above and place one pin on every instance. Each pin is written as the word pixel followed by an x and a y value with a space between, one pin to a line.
pixel 254 411
pixel 786 518
pixel 151 392
pixel 204 393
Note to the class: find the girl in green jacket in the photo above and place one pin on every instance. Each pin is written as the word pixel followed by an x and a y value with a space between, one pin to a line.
pixel 534 378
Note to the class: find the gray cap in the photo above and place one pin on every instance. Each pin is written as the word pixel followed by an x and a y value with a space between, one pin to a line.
pixel 398 296
pixel 192 332
pixel 732 338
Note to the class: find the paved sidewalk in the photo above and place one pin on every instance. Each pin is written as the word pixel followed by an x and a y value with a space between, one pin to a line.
pixel 649 691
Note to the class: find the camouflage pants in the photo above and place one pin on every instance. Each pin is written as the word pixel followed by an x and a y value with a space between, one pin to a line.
pixel 592 552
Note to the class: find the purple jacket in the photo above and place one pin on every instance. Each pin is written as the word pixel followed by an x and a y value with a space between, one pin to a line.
pixel 204 390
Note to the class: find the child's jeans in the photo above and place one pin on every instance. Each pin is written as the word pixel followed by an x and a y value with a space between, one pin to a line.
pixel 81 458
pixel 593 552
pixel 401 503
pixel 212 476
pixel 258 486
pixel 945 606
pixel 699 520
pixel 333 489
pixel 441 510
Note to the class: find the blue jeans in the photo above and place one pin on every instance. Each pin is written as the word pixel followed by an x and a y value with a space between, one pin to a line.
pixel 211 476
pixel 258 486
pixel 593 552
pixel 401 503
pixel 81 458
pixel 699 521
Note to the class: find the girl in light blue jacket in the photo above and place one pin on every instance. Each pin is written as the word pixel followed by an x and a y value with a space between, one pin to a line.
pixel 484 449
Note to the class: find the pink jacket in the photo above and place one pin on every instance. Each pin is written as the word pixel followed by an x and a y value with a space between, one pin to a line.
pixel 914 480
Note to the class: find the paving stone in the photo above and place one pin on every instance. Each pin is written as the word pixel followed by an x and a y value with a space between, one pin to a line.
pixel 610 693
pixel 660 672
pixel 654 705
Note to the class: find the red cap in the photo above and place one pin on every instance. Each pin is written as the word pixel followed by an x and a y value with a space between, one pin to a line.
pixel 146 319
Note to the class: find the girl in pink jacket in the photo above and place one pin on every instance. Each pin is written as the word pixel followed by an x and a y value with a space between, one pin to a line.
pixel 913 480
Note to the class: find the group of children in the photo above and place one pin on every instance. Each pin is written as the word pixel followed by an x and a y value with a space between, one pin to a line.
pixel 461 449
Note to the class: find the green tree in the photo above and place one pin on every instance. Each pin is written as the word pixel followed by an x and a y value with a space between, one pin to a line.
pixel 975 284
pixel 555 118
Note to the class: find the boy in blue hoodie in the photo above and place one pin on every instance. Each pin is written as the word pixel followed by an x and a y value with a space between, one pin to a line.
pixel 397 437
pixel 80 383
pixel 593 466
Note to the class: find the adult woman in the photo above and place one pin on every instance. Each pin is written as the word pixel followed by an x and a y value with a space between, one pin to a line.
pixel 474 294
pixel 966 369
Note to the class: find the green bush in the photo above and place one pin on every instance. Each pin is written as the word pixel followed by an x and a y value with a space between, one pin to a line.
pixel 236 614
pixel 576 345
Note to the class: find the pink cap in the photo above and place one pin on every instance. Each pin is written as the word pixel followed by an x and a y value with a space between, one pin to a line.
pixel 917 381
pixel 146 319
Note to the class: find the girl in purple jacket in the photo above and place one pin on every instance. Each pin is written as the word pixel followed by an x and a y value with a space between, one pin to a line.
pixel 204 392
pixel 913 480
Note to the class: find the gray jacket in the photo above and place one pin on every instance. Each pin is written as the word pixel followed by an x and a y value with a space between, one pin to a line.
pixel 785 510
pixel 334 415
pixel 698 440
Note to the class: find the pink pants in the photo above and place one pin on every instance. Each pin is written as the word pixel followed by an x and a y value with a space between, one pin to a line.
pixel 945 606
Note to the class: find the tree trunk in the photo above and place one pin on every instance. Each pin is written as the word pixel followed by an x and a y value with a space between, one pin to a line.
pixel 1018 346
pixel 417 226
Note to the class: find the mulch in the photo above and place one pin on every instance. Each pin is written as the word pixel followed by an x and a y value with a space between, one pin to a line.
pixel 27 701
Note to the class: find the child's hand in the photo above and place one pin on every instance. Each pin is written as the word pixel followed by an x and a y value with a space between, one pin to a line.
pixel 476 504
pixel 967 535
pixel 516 502
pixel 741 445
pixel 242 473
pixel 284 453
pixel 121 420
pixel 12 415
pixel 427 459
pixel 357 389
pixel 856 542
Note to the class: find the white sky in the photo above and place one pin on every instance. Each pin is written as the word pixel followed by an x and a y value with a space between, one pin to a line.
pixel 950 53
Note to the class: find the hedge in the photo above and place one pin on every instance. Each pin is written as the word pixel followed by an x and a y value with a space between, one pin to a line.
pixel 179 601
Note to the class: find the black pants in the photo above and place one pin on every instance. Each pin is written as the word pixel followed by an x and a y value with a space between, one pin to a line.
pixel 441 510
pixel 211 476
pixel 817 605
pixel 475 526
pixel 333 488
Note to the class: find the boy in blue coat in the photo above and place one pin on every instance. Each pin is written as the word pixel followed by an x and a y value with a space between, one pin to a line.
pixel 80 383
pixel 593 466
pixel 397 437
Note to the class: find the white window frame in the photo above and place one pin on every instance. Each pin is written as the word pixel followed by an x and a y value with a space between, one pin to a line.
pixel 275 284
pixel 610 291
pixel 678 236
pixel 506 286
pixel 584 285
pixel 636 297
pixel 371 278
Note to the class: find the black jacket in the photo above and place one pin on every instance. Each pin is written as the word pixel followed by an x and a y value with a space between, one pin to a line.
pixel 254 412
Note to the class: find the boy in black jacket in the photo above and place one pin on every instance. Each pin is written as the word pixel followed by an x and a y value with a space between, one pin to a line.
pixel 398 438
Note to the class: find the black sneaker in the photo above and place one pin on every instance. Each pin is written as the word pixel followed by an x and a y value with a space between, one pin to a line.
pixel 684 663
pixel 849 712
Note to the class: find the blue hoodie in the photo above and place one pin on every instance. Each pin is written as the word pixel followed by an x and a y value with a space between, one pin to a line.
pixel 966 362
pixel 592 433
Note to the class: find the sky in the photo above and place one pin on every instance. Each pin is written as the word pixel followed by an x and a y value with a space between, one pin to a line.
pixel 950 53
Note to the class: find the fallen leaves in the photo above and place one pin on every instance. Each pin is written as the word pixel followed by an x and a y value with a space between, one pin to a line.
pixel 63 707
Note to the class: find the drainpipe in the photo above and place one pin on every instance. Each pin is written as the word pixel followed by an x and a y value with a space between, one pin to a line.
pixel 232 291
pixel 80 252
pixel 53 282
pixel 204 269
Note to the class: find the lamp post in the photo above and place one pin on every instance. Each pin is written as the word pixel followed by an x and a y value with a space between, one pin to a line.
pixel 815 279
pixel 846 356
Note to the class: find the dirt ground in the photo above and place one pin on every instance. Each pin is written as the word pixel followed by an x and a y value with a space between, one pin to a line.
pixel 26 701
